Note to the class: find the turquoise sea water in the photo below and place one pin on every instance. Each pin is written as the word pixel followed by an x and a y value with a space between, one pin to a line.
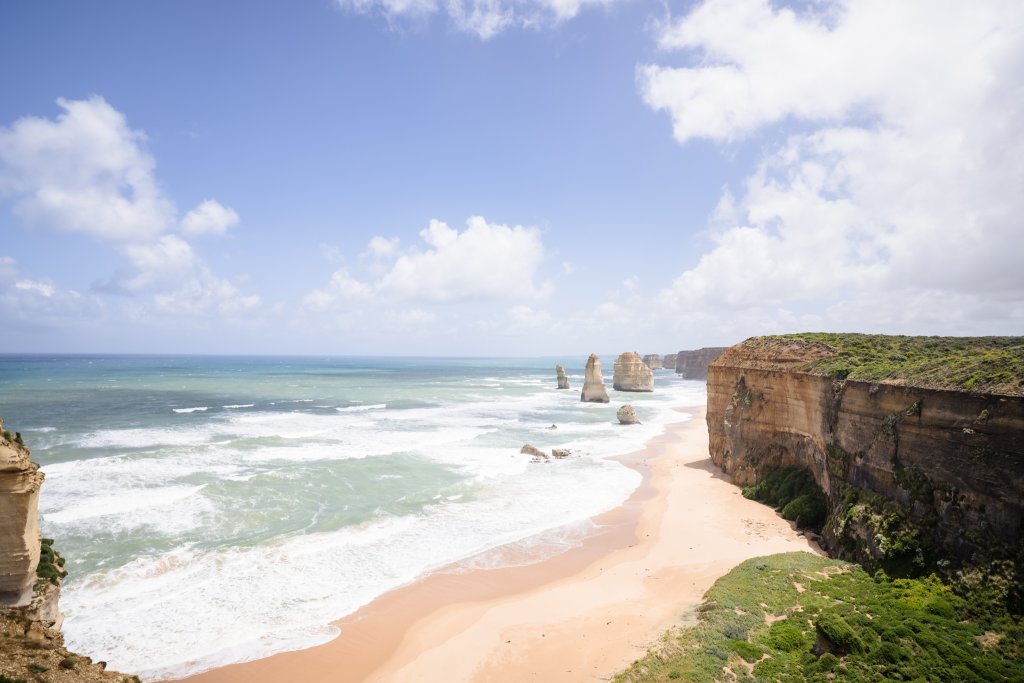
pixel 219 509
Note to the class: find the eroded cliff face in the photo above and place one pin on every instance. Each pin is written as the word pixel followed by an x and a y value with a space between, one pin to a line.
pixel 915 477
pixel 694 364
pixel 20 480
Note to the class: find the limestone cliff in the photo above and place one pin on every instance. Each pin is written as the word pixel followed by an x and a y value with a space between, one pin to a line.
pixel 694 364
pixel 668 361
pixel 631 374
pixel 594 390
pixel 653 361
pixel 20 480
pixel 917 477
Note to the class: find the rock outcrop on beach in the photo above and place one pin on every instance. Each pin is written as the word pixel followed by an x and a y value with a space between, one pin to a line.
pixel 631 374
pixel 530 449
pixel 563 381
pixel 653 361
pixel 627 415
pixel 20 480
pixel 594 390
pixel 917 475
pixel 694 364
pixel 668 361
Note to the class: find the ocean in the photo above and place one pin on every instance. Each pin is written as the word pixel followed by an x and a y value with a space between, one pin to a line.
pixel 219 509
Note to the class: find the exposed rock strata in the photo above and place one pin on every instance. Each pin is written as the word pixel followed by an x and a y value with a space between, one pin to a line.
pixel 20 480
pixel 563 381
pixel 627 415
pixel 913 475
pixel 653 361
pixel 594 390
pixel 631 374
pixel 694 364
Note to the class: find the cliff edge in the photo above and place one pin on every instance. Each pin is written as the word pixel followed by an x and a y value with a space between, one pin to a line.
pixel 20 481
pixel 917 442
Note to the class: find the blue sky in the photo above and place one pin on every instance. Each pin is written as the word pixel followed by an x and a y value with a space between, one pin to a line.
pixel 491 178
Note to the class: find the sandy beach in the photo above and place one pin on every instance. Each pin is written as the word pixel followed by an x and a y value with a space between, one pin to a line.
pixel 581 615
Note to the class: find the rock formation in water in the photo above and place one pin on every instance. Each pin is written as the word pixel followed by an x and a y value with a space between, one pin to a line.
pixel 594 390
pixel 20 480
pixel 561 452
pixel 30 579
pixel 916 477
pixel 530 449
pixel 563 381
pixel 694 364
pixel 668 361
pixel 631 374
pixel 627 415
pixel 653 361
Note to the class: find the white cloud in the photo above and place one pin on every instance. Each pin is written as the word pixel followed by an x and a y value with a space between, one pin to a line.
pixel 899 197
pixel 84 172
pixel 483 18
pixel 380 247
pixel 209 218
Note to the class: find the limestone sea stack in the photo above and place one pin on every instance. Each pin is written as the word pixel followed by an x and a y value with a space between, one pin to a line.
pixel 653 361
pixel 563 381
pixel 20 480
pixel 594 390
pixel 631 374
pixel 669 361
pixel 627 415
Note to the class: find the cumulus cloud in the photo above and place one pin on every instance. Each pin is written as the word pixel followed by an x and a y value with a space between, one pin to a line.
pixel 87 171
pixel 484 262
pixel 209 218
pixel 897 195
pixel 30 300
pixel 483 18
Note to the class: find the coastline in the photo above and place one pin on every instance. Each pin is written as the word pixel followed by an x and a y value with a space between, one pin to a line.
pixel 583 614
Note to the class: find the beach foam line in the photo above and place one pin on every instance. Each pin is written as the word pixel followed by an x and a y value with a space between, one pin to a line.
pixel 198 409
pixel 239 405
pixel 353 409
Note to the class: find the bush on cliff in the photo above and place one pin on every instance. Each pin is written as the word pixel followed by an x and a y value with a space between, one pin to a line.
pixel 793 491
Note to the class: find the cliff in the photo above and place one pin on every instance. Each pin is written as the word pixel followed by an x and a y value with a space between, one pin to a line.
pixel 919 474
pixel 31 572
pixel 20 480
pixel 694 364
pixel 668 361
pixel 653 361
pixel 630 374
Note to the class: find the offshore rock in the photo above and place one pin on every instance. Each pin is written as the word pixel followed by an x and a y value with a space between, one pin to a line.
pixel 561 452
pixel 653 361
pixel 669 361
pixel 20 480
pixel 594 390
pixel 529 449
pixel 631 374
pixel 694 364
pixel 563 381
pixel 627 415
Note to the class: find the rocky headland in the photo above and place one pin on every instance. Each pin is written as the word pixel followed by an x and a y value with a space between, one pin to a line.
pixel 694 364
pixel 631 374
pixel 31 572
pixel 594 390
pixel 917 444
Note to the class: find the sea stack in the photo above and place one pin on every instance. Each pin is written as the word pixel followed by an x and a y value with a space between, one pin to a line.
pixel 669 361
pixel 631 374
pixel 563 381
pixel 594 390
pixel 627 415
pixel 20 480
pixel 653 361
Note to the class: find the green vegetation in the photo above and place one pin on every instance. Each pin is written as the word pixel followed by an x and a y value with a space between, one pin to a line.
pixel 981 364
pixel 792 491
pixel 808 618
pixel 51 564
pixel 8 679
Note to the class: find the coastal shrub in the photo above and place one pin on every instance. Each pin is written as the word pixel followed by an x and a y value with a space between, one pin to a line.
pixel 8 679
pixel 51 564
pixel 808 510
pixel 793 491
pixel 835 629
pixel 786 636
pixel 67 663
pixel 827 663
pixel 746 650
pixel 37 668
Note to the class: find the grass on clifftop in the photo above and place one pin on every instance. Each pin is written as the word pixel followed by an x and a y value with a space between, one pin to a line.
pixel 979 364
pixel 797 617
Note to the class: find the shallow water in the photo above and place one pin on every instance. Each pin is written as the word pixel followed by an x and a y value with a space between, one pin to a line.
pixel 214 510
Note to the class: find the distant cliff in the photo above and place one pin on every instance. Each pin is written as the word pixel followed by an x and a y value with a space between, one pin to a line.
pixel 920 471
pixel 694 364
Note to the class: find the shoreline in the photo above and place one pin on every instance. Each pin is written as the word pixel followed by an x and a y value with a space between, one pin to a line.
pixel 582 614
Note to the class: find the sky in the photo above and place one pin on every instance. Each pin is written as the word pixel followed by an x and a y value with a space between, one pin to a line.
pixel 505 177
